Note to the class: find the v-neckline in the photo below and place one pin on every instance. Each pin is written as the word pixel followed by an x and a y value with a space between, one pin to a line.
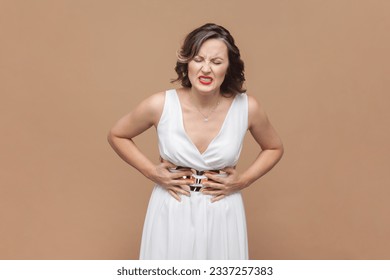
pixel 186 134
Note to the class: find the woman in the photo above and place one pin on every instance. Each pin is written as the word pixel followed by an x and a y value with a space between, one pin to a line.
pixel 196 209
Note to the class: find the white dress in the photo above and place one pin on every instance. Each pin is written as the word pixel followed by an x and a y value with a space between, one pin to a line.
pixel 195 228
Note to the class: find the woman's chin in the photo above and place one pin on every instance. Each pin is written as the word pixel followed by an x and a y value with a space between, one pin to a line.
pixel 205 89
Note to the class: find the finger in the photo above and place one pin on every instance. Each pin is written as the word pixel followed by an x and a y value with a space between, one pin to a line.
pixel 175 196
pixel 186 188
pixel 214 185
pixel 229 169
pixel 211 192
pixel 178 189
pixel 214 177
pixel 211 189
pixel 219 197
pixel 167 164
pixel 180 174
pixel 182 182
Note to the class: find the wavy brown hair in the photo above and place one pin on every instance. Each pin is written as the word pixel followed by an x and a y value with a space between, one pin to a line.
pixel 234 78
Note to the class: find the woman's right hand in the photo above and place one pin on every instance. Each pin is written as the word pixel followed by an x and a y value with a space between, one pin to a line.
pixel 173 182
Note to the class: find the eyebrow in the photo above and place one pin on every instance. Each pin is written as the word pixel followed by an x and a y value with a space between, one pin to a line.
pixel 217 57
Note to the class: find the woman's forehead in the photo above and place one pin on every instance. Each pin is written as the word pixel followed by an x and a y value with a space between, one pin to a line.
pixel 213 48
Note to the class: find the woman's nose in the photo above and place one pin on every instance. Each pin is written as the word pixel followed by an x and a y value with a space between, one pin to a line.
pixel 206 68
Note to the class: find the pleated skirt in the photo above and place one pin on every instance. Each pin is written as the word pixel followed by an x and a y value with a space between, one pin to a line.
pixel 194 228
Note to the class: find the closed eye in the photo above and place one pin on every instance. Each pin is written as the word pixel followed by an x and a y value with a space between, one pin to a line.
pixel 198 59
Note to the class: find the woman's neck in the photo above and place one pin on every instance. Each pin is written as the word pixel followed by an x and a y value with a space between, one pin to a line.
pixel 204 100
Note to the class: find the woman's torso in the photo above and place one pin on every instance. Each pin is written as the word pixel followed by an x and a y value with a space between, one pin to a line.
pixel 202 146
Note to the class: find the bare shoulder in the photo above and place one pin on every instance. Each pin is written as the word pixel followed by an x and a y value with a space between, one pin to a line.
pixel 256 111
pixel 154 101
pixel 152 107
pixel 146 114
pixel 260 126
pixel 253 103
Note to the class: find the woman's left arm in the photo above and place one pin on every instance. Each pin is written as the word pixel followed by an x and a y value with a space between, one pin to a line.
pixel 271 152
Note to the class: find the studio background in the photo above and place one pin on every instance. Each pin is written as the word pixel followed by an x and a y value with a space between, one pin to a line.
pixel 69 69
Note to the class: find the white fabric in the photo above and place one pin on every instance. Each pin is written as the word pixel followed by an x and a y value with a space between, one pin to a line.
pixel 195 228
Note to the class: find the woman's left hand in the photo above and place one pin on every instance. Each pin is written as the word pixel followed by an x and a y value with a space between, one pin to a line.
pixel 219 186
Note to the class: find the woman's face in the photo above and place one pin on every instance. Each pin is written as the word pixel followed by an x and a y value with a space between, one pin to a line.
pixel 207 70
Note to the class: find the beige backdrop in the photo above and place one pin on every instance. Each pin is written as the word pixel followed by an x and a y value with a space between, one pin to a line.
pixel 69 69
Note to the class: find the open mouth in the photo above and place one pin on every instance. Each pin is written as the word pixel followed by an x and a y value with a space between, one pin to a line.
pixel 205 80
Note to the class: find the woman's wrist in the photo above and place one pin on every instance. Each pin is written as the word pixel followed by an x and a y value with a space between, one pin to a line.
pixel 244 182
pixel 149 172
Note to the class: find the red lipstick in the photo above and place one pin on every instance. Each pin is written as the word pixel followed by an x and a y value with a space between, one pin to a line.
pixel 205 80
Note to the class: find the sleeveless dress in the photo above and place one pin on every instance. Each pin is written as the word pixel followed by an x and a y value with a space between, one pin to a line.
pixel 195 228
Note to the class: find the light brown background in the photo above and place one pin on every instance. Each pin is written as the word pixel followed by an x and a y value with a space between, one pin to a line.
pixel 69 69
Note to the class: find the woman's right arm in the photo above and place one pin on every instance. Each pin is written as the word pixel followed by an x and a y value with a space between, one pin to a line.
pixel 145 115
